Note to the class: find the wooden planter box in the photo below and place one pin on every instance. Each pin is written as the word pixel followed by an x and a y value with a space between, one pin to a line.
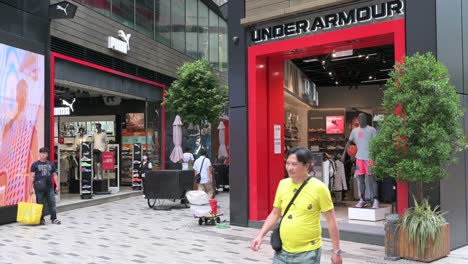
pixel 409 250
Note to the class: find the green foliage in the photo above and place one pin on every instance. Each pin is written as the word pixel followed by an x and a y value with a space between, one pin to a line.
pixel 424 225
pixel 422 130
pixel 196 95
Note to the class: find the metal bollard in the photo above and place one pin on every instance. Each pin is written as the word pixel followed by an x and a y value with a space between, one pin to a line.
pixel 391 237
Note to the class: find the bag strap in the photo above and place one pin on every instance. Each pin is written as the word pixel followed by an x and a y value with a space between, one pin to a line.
pixel 294 198
pixel 201 168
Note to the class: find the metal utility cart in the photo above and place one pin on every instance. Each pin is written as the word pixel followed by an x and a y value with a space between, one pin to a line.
pixel 167 185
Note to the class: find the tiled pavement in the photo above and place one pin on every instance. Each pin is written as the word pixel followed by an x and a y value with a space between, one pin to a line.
pixel 127 231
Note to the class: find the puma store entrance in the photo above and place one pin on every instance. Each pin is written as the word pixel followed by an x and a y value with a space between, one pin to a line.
pixel 104 123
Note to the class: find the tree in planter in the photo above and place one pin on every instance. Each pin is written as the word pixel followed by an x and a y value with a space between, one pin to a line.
pixel 196 95
pixel 422 130
pixel 418 139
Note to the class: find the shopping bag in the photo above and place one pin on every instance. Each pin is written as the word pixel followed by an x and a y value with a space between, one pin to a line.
pixel 29 213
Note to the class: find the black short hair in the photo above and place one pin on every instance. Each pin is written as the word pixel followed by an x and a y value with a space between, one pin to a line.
pixel 43 150
pixel 203 152
pixel 188 150
pixel 303 155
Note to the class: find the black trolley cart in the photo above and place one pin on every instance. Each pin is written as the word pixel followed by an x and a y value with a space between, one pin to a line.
pixel 167 185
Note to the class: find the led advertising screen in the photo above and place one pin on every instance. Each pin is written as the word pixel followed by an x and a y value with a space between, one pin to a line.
pixel 21 121
pixel 335 125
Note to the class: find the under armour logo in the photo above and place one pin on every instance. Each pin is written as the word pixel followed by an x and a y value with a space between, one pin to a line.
pixel 125 38
pixel 64 9
pixel 70 105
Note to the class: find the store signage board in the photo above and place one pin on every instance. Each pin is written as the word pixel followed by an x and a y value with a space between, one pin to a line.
pixel 122 44
pixel 335 125
pixel 347 16
pixel 108 160
pixel 61 111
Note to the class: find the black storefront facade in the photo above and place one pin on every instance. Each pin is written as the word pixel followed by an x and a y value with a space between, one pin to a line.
pixel 413 26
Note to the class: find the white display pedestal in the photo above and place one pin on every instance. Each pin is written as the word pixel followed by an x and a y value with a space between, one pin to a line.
pixel 368 214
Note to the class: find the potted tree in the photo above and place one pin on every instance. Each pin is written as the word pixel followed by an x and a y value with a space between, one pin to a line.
pixel 196 95
pixel 418 139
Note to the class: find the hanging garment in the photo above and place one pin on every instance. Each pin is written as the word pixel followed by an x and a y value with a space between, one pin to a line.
pixel 339 183
pixel 328 172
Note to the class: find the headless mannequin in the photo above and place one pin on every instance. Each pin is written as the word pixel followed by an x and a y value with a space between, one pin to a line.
pixel 100 145
pixel 80 138
pixel 366 181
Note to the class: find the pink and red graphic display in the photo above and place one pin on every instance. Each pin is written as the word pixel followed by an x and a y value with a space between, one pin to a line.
pixel 335 125
pixel 21 121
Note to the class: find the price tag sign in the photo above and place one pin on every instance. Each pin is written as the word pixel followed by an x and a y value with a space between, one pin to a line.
pixel 107 160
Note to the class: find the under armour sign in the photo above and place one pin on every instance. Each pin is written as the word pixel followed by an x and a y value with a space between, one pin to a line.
pixel 304 24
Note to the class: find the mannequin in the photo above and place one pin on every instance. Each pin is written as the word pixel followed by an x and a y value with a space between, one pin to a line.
pixel 80 138
pixel 362 136
pixel 100 145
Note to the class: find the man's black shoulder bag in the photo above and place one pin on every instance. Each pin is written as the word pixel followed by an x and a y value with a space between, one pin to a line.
pixel 275 241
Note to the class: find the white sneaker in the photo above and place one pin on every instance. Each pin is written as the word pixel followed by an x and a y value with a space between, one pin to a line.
pixel 376 204
pixel 361 204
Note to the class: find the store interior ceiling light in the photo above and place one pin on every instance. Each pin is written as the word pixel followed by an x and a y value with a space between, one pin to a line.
pixel 342 53
pixel 349 71
pixel 376 80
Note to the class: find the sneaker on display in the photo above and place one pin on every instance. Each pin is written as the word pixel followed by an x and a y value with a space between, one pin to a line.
pixel 85 164
pixel 85 159
pixel 376 204
pixel 361 204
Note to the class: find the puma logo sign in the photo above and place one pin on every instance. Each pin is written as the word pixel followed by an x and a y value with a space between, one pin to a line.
pixel 86 144
pixel 125 38
pixel 64 9
pixel 70 105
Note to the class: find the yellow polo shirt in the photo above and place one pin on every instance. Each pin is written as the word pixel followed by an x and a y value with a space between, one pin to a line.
pixel 300 229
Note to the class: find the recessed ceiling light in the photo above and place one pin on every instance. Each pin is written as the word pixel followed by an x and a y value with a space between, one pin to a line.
pixel 370 77
pixel 310 60
pixel 330 73
pixel 337 83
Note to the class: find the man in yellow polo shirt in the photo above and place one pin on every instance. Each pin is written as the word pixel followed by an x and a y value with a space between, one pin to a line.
pixel 300 230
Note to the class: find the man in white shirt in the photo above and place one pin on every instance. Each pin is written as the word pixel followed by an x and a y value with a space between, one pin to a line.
pixel 203 166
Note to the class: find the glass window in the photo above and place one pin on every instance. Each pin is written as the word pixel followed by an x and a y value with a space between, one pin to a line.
pixel 178 25
pixel 101 6
pixel 223 45
pixel 191 28
pixel 123 11
pixel 202 31
pixel 145 17
pixel 214 39
pixel 162 15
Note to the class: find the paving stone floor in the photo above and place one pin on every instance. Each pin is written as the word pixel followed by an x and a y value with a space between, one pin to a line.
pixel 127 231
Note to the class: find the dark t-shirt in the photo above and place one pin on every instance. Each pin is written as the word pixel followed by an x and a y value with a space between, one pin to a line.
pixel 43 170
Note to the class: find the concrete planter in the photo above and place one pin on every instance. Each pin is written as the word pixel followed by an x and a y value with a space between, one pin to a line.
pixel 434 250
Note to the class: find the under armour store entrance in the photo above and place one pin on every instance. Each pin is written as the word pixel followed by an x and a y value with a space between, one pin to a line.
pixel 324 94
pixel 104 123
